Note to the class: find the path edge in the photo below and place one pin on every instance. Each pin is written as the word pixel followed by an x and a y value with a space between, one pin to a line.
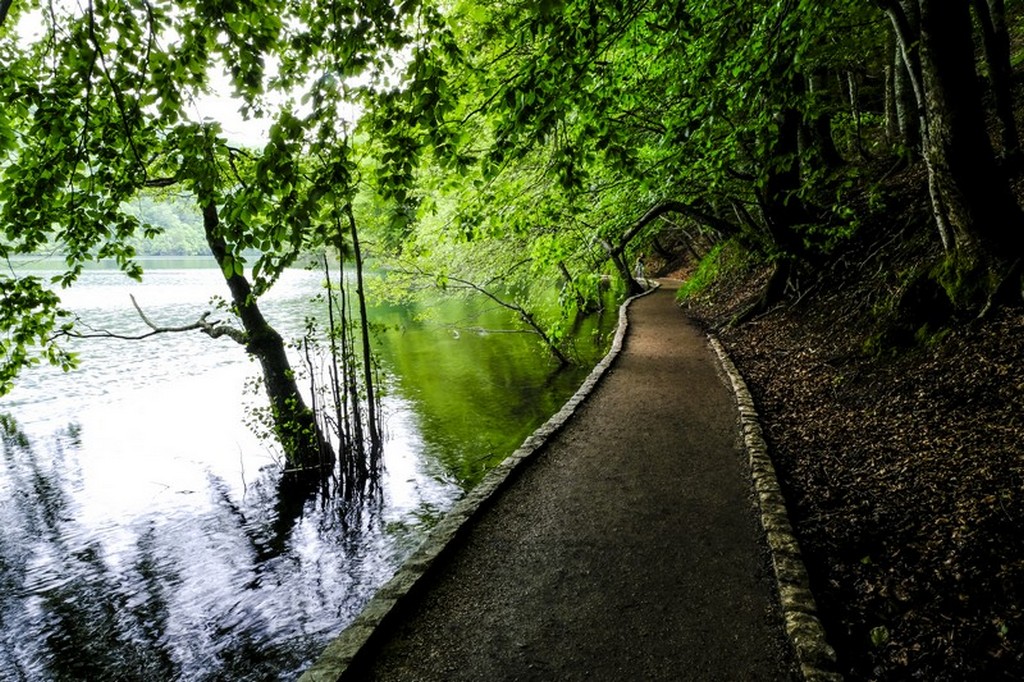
pixel 338 655
pixel 815 656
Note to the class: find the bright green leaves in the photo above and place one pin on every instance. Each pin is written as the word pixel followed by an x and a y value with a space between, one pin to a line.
pixel 232 266
pixel 527 133
pixel 243 35
pixel 30 314
pixel 555 123
pixel 105 104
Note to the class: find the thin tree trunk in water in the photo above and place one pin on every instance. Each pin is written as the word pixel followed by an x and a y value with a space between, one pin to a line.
pixel 294 423
pixel 339 396
pixel 356 465
pixel 364 329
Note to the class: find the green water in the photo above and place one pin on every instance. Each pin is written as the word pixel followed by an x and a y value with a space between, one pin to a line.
pixel 480 387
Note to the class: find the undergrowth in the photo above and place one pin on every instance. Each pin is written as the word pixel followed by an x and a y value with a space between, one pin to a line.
pixel 723 260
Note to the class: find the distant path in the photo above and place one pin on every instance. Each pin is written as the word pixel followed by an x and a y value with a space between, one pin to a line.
pixel 629 549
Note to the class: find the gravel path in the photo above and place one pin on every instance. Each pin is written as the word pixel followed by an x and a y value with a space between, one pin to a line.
pixel 628 549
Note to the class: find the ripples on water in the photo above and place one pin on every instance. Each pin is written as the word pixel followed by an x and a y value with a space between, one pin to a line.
pixel 138 534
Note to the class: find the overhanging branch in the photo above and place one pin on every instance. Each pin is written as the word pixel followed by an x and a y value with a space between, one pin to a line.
pixel 688 210
pixel 213 329
pixel 524 315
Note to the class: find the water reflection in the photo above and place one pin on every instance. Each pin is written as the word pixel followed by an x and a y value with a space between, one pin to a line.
pixel 221 594
pixel 143 534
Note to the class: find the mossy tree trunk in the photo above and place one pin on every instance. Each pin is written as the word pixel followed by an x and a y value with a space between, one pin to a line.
pixel 980 209
pixel 977 216
pixel 294 424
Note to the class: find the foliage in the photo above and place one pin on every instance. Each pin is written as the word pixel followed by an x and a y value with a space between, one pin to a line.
pixel 509 149
pixel 174 227
pixel 521 148
pixel 552 128
pixel 726 259
pixel 104 106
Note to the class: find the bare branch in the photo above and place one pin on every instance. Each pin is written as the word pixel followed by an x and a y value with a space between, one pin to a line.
pixel 524 315
pixel 213 329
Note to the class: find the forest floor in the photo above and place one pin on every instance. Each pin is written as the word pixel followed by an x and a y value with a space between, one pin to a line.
pixel 899 450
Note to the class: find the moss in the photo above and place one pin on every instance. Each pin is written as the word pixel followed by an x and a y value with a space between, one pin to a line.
pixel 966 279
pixel 919 314
pixel 928 336
pixel 724 259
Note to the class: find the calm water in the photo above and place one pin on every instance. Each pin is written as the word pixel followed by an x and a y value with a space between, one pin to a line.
pixel 138 531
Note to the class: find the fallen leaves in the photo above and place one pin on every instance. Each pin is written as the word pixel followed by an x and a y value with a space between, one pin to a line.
pixel 904 475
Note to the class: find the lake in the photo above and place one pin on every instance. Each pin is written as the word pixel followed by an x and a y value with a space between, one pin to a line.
pixel 137 510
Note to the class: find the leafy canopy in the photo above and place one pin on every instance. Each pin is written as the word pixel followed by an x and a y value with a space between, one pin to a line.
pixel 107 102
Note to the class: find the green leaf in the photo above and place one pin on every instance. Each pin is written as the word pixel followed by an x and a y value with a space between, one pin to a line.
pixel 879 635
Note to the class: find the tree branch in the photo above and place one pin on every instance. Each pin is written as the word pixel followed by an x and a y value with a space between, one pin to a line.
pixel 689 210
pixel 524 315
pixel 213 329
pixel 160 182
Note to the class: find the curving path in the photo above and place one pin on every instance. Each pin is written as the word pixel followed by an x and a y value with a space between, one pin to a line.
pixel 627 548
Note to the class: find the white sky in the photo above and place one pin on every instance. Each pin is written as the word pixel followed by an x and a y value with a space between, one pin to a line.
pixel 217 104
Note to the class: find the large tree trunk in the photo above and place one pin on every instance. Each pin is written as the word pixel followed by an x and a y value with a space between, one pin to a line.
pixel 906 23
pixel 975 196
pixel 996 41
pixel 294 424
pixel 783 210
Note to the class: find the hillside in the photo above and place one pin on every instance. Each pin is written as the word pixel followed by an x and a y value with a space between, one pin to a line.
pixel 899 453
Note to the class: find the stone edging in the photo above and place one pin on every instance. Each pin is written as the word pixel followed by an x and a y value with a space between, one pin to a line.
pixel 339 653
pixel 815 656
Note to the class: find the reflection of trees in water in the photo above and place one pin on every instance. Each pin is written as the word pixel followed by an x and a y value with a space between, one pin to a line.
pixel 186 599
pixel 98 627
pixel 60 595
pixel 15 543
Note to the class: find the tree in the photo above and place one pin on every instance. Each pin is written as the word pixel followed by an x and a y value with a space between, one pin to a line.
pixel 995 39
pixel 739 111
pixel 978 219
pixel 102 108
pixel 721 110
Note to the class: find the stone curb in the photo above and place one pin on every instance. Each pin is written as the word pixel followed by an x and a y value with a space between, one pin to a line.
pixel 816 658
pixel 340 652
